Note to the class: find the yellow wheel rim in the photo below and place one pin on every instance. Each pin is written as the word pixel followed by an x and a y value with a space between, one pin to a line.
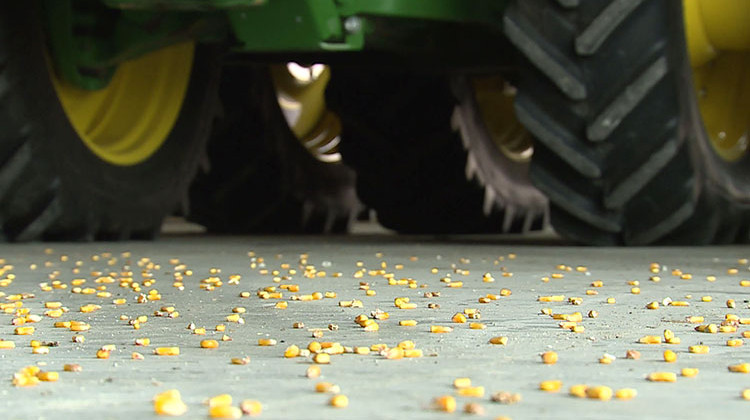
pixel 495 97
pixel 718 37
pixel 126 122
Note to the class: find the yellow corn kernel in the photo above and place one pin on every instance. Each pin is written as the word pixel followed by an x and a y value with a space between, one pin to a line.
pixel 626 394
pixel 740 368
pixel 670 356
pixel 327 387
pixel 54 313
pixel 694 319
pixel 471 391
pixel 460 383
pixel 727 329
pixel 103 354
pixel 24 330
pixel 233 318
pixel 501 340
pixel 266 342
pixel 224 412
pixel 322 358
pixel 477 326
pixel 137 356
pixel 240 360
pixel 167 351
pixel 611 300
pixel 635 291
pixel 209 344
pixel 650 339
pixel 578 390
pixel 79 326
pixel 698 349
pixel 439 329
pixel 745 394
pixel 730 303
pixel 549 357
pixel 407 323
pixel 90 308
pixel 169 403
pixel 142 341
pixel 339 401
pixel 313 371
pixel 40 350
pixel 223 399
pixel 394 353
pixel 603 393
pixel 7 345
pixel 607 359
pixel 444 403
pixel 413 353
pixel 662 377
pixel 550 386
pixel 48 376
pixel 554 298
pixel 689 372
pixel 668 335
pixel 251 407
pixel 679 303
pixel 735 342
pixel 291 351
pixel 281 305
pixel 653 305
pixel 459 318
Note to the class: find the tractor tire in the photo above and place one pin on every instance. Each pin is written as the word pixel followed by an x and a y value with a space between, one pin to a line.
pixel 605 87
pixel 260 178
pixel 402 134
pixel 52 185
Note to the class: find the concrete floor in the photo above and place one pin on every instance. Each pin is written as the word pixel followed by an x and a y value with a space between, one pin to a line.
pixel 120 387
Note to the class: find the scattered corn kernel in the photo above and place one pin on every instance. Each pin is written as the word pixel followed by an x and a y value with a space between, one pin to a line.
pixel 735 342
pixel 471 391
pixel 167 351
pixel 740 368
pixel 322 358
pixel 407 323
pixel 578 390
pixel 626 394
pixel 549 358
pixel 224 412
pixel 650 339
pixel 266 342
pixel 698 349
pixel 445 403
pixel 689 372
pixel 439 329
pixel 459 383
pixel 551 385
pixel 603 393
pixel 670 356
pixel 251 407
pixel 501 340
pixel 169 403
pixel 209 344
pixel 662 377
pixel 339 401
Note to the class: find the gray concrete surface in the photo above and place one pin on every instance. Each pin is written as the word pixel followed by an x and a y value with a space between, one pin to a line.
pixel 379 388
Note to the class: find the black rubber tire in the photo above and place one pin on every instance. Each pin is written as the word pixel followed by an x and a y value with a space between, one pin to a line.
pixel 411 166
pixel 51 185
pixel 606 89
pixel 260 178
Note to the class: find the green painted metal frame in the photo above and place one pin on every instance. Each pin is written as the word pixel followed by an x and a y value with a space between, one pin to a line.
pixel 117 30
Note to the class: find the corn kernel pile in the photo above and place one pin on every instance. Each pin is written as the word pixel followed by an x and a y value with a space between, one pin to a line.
pixel 282 334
